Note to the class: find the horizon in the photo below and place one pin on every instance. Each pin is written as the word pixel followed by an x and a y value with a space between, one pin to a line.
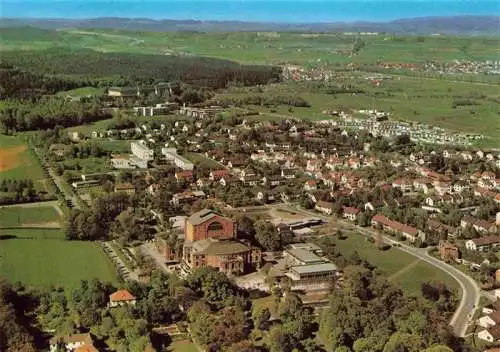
pixel 274 11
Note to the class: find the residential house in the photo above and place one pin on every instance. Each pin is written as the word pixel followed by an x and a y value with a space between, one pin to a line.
pixel 448 251
pixel 122 162
pixel 271 180
pixel 203 182
pixel 310 185
pixel 313 166
pixel 491 335
pixel 288 174
pixel 187 197
pixel 70 342
pixel 354 163
pixel 423 185
pixel 479 225
pixel 125 187
pixel 404 184
pixel 216 175
pixel 251 180
pixel 228 180
pixel 334 162
pixel 184 176
pixel 154 189
pixel 350 213
pixel 410 233
pixel 59 149
pixel 483 244
pixel 324 207
pixel 121 298
pixel 489 320
pixel 142 151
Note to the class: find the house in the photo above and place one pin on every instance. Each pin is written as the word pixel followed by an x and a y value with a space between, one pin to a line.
pixel 154 189
pixel 216 175
pixel 251 180
pixel 440 228
pixel 86 348
pixel 122 162
pixel 313 166
pixel 489 320
pixel 228 180
pixel 404 184
pixel 121 298
pixel 350 213
pixel 483 244
pixel 184 176
pixel 70 342
pixel 59 149
pixel 479 225
pixel 324 207
pixel 125 187
pixel 141 151
pixel 187 197
pixel 354 163
pixel 310 185
pixel 423 185
pixel 334 162
pixel 410 233
pixel 491 335
pixel 448 251
pixel 271 180
pixel 288 174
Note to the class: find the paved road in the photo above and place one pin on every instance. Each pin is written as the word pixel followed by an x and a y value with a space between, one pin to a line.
pixel 470 291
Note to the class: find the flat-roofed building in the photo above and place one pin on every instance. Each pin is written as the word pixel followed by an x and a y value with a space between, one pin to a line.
pixel 142 151
pixel 312 277
pixel 179 161
pixel 300 256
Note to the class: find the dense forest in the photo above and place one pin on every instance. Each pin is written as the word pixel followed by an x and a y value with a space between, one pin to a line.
pixel 201 71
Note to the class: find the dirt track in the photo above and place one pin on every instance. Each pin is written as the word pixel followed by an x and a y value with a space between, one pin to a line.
pixel 10 157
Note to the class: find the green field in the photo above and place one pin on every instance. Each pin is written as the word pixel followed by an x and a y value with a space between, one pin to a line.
pixel 82 92
pixel 17 161
pixel 182 346
pixel 401 268
pixel 405 98
pixel 25 216
pixel 258 47
pixel 44 258
pixel 203 162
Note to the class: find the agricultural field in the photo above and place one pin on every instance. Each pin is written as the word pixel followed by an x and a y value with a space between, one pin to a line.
pixel 258 47
pixel 41 258
pixel 17 161
pixel 456 106
pixel 401 268
pixel 41 215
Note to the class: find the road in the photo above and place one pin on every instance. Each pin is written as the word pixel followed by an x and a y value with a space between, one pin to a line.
pixel 470 291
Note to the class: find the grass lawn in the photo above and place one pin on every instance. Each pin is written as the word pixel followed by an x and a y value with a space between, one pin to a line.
pixel 401 268
pixel 44 258
pixel 17 161
pixel 84 91
pixel 18 216
pixel 203 162
pixel 182 346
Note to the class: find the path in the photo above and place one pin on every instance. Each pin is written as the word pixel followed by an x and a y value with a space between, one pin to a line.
pixel 470 291
pixel 51 203
pixel 403 270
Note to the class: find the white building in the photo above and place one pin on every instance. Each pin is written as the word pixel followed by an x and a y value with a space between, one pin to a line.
pixel 70 342
pixel 121 298
pixel 179 161
pixel 141 151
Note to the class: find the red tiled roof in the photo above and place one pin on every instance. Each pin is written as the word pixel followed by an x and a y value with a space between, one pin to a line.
pixel 120 296
pixel 86 348
pixel 482 241
pixel 395 225
pixel 351 210
pixel 219 173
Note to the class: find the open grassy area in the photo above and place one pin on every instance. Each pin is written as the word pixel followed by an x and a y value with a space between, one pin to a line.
pixel 425 100
pixel 82 92
pixel 400 267
pixel 44 258
pixel 28 216
pixel 259 47
pixel 202 161
pixel 182 346
pixel 17 161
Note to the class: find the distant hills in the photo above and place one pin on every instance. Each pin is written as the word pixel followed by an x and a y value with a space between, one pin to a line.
pixel 458 25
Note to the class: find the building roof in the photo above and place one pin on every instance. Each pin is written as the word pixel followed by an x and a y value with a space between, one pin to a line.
pixel 121 296
pixel 495 316
pixel 202 216
pixel 395 225
pixel 86 348
pixel 216 247
pixel 495 332
pixel 124 186
pixel 323 204
pixel 307 246
pixel 483 241
pixel 351 210
pixel 314 268
pixel 304 255
pixel 85 338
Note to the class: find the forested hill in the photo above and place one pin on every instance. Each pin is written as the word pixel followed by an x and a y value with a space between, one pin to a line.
pixel 458 25
pixel 138 68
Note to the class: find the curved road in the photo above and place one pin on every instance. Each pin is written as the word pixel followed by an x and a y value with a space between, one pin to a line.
pixel 470 291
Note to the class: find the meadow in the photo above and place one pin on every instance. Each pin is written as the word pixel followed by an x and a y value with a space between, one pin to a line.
pixel 17 161
pixel 203 162
pixel 401 268
pixel 258 47
pixel 42 258
pixel 18 216
pixel 423 100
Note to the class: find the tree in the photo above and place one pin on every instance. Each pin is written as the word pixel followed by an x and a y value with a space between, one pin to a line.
pixel 279 341
pixel 343 349
pixel 261 318
pixel 438 348
pixel 400 341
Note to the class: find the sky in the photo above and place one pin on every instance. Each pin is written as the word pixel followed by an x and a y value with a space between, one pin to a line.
pixel 296 11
